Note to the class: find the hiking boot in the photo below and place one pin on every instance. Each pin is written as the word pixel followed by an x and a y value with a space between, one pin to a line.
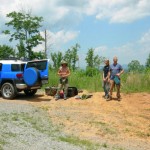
pixel 65 97
pixel 56 98
pixel 109 98
pixel 118 97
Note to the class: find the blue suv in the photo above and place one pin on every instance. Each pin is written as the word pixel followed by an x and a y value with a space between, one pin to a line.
pixel 17 76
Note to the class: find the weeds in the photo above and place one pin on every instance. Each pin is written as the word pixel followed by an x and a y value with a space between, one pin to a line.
pixel 130 82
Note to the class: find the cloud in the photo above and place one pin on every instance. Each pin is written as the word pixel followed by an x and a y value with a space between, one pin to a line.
pixel 57 40
pixel 119 11
pixel 145 39
pixel 56 13
pixel 66 13
pixel 138 50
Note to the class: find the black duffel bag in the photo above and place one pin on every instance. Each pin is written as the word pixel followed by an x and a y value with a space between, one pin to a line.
pixel 72 91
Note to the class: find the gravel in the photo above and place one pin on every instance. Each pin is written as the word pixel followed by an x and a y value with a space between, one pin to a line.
pixel 24 127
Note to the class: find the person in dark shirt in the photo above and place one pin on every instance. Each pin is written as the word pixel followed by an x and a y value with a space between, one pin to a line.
pixel 106 85
pixel 114 73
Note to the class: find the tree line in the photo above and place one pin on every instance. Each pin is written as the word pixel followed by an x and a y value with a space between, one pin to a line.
pixel 25 29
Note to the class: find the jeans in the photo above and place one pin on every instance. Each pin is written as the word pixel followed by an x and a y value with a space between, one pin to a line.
pixel 106 87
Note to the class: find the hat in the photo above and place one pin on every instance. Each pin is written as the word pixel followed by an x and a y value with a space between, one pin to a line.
pixel 63 62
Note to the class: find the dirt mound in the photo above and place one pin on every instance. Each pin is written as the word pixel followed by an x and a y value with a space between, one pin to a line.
pixel 124 123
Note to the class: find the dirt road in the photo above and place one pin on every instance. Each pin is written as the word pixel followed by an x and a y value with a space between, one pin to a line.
pixel 121 124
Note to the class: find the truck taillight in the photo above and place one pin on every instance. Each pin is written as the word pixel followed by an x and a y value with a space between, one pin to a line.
pixel 19 75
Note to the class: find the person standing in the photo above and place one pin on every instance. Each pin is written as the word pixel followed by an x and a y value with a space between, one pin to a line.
pixel 63 73
pixel 105 84
pixel 115 72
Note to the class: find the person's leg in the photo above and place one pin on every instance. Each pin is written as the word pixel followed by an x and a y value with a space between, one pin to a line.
pixel 118 91
pixel 107 88
pixel 65 90
pixel 111 88
pixel 57 96
pixel 104 87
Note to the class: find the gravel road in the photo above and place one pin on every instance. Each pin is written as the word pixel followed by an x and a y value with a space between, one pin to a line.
pixel 24 127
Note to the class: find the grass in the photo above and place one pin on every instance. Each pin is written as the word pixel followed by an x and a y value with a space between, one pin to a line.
pixel 130 82
pixel 105 128
pixel 78 142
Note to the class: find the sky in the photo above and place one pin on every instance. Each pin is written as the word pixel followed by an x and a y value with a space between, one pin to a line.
pixel 111 27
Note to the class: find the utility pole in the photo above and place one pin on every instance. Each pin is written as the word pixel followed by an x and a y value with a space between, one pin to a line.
pixel 45 43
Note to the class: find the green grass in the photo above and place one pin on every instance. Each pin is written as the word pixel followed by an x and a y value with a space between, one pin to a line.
pixel 78 142
pixel 130 82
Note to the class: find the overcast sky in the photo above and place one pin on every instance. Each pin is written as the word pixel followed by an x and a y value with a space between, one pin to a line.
pixel 111 27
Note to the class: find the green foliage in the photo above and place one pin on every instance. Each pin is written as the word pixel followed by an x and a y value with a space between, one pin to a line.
pixel 92 60
pixel 91 71
pixel 71 56
pixel 56 58
pixel 21 50
pixel 6 51
pixel 148 62
pixel 79 142
pixel 25 30
pixel 135 82
pixel 130 82
pixel 135 66
pixel 38 55
pixel 74 56
pixel 68 57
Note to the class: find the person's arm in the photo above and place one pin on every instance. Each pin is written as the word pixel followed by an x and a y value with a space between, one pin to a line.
pixel 109 73
pixel 103 76
pixel 108 76
pixel 121 71
pixel 59 72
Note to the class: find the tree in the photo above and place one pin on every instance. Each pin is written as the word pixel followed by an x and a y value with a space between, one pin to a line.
pixel 6 51
pixel 38 55
pixel 135 66
pixel 71 56
pixel 21 50
pixel 56 58
pixel 90 58
pixel 25 30
pixel 93 61
pixel 75 56
pixel 148 62
pixel 68 57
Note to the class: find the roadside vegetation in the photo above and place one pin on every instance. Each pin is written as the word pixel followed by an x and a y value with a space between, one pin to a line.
pixel 131 81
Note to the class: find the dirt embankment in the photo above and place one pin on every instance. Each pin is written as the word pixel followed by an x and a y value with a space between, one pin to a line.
pixel 124 123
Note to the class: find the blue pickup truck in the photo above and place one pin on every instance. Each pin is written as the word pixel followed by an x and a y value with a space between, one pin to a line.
pixel 17 76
